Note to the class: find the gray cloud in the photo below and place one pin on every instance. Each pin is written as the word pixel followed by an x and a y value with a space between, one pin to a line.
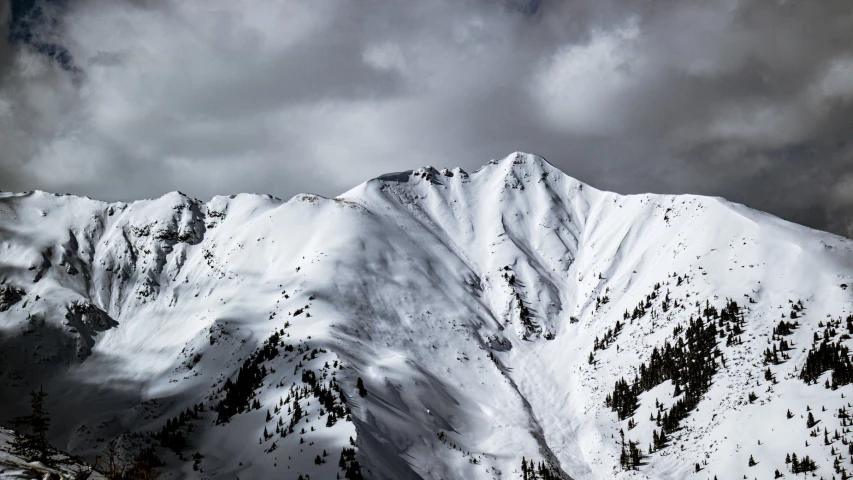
pixel 748 100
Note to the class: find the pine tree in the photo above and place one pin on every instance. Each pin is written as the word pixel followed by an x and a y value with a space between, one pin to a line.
pixel 33 446
pixel 752 461
pixel 810 422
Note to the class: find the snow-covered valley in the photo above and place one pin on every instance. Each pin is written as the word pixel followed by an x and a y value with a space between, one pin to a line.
pixel 432 324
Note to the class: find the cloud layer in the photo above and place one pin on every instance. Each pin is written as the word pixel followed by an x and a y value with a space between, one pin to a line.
pixel 126 99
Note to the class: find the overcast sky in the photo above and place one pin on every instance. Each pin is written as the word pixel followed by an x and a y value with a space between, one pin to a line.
pixel 126 99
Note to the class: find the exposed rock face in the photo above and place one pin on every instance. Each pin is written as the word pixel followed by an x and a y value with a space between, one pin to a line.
pixel 9 296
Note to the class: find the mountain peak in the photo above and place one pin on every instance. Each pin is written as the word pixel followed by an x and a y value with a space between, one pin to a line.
pixel 509 170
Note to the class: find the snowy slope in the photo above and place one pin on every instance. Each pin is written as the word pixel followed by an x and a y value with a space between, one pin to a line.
pixel 469 305
pixel 14 467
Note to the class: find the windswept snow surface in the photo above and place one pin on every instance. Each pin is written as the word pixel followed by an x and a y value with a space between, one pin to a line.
pixel 468 303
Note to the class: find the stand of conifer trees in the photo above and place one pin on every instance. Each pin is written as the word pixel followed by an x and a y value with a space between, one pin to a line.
pixel 690 363
pixel 238 393
pixel 531 471
pixel 828 355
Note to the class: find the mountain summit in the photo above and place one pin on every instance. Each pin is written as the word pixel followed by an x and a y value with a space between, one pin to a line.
pixel 507 323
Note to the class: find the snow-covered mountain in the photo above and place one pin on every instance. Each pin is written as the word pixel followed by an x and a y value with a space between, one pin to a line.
pixel 432 324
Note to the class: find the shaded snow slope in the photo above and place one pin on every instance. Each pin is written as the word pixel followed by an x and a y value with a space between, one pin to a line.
pixel 15 467
pixel 469 304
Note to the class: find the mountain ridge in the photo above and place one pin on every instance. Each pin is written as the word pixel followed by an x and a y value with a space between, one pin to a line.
pixel 473 307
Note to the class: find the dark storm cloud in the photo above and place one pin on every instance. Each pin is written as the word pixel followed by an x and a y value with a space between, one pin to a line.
pixel 749 100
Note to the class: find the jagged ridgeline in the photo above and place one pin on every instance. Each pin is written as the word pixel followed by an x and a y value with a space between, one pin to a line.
pixel 505 323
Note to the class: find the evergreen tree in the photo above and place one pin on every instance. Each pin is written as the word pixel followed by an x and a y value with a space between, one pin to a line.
pixel 33 445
